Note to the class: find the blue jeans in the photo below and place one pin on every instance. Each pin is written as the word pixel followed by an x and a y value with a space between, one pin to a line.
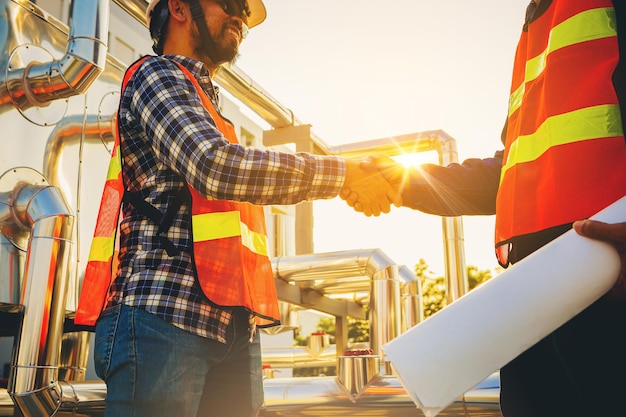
pixel 152 368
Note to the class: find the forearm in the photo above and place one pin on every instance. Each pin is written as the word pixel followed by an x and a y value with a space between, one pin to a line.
pixel 268 177
pixel 184 138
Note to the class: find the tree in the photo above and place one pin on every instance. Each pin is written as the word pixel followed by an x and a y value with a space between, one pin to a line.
pixel 434 288
pixel 475 276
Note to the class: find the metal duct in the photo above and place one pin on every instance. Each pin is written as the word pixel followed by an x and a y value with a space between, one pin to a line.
pixel 37 84
pixel 412 300
pixel 381 272
pixel 40 208
pixel 69 131
pixel 29 204
pixel 299 357
pixel 12 261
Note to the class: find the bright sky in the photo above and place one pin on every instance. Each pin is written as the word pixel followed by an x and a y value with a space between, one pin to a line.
pixel 359 70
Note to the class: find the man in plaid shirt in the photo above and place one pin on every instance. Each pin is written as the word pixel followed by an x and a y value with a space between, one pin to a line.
pixel 161 346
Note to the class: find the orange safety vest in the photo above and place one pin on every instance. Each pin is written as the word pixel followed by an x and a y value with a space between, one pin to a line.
pixel 565 157
pixel 230 251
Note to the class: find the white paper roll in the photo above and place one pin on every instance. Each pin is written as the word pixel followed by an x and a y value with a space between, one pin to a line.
pixel 459 346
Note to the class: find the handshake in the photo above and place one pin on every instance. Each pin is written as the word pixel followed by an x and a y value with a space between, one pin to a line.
pixel 373 184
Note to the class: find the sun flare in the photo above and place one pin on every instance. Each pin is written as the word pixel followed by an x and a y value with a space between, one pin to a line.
pixel 417 158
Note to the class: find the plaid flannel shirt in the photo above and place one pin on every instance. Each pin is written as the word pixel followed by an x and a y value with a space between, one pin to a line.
pixel 169 140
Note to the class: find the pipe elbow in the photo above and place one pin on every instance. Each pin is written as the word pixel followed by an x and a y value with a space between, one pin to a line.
pixel 36 202
pixel 43 401
pixel 38 84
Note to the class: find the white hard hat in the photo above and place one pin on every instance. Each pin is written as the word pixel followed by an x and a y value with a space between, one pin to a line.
pixel 257 12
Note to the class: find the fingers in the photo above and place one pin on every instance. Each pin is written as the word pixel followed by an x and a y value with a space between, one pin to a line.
pixel 350 197
pixel 369 164
pixel 615 235
pixel 367 187
pixel 395 174
pixel 375 183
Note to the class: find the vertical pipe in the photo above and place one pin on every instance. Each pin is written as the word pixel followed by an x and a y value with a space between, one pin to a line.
pixel 412 302
pixel 385 311
pixel 74 356
pixel 454 249
pixel 33 382
pixel 12 261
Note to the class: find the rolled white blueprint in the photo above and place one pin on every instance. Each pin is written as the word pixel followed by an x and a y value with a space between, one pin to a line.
pixel 459 346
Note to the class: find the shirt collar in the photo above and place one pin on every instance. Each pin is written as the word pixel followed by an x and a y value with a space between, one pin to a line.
pixel 200 73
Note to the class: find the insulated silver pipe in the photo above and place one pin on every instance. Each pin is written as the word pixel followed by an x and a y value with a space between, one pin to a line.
pixel 298 357
pixel 37 84
pixel 385 311
pixel 69 131
pixel 12 261
pixel 90 395
pixel 33 382
pixel 454 240
pixel 380 270
pixel 74 356
pixel 412 301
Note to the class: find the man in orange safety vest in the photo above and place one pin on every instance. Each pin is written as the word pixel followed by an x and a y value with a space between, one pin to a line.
pixel 176 316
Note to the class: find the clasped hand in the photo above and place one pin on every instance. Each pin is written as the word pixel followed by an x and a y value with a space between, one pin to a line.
pixel 372 185
pixel 615 235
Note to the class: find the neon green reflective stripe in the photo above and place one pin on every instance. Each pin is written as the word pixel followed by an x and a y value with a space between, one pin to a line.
pixel 102 248
pixel 515 101
pixel 585 26
pixel 256 242
pixel 115 165
pixel 584 124
pixel 211 226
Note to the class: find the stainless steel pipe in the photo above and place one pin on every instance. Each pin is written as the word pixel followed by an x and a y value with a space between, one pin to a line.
pixel 36 84
pixel 33 381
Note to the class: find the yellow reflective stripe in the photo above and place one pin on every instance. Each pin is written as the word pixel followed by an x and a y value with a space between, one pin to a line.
pixel 584 124
pixel 212 226
pixel 102 248
pixel 115 165
pixel 585 26
pixel 256 242
pixel 515 101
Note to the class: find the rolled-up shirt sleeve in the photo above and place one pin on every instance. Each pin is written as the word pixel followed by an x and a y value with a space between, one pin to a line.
pixel 185 138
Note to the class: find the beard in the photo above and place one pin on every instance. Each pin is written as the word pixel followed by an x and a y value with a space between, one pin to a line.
pixel 214 47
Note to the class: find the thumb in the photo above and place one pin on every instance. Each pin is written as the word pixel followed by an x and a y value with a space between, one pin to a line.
pixel 368 164
pixel 597 230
